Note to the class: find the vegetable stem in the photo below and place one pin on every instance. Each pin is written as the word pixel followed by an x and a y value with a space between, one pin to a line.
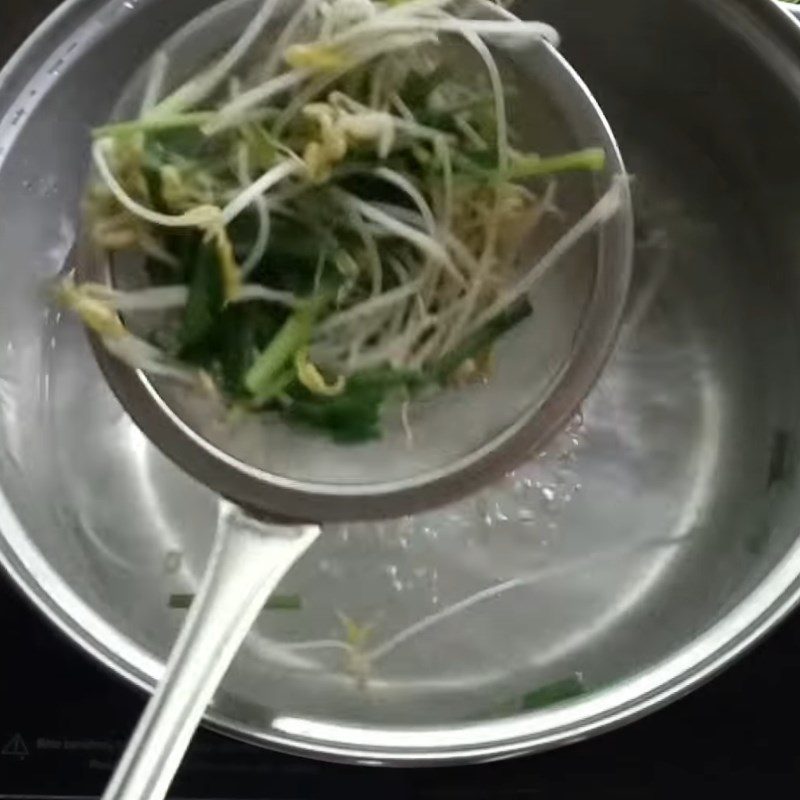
pixel 592 159
pixel 193 119
pixel 295 334
pixel 482 339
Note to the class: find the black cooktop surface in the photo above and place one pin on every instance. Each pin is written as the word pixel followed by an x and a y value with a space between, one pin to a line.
pixel 63 717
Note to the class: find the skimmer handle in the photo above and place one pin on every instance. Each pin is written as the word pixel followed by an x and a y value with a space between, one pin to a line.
pixel 248 561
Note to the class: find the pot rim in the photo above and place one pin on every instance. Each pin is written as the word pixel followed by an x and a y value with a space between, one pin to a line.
pixel 776 596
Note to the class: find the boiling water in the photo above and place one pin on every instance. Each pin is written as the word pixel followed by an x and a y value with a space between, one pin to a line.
pixel 464 610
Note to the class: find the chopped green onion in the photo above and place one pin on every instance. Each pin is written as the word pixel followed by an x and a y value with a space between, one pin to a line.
pixel 554 693
pixel 591 160
pixel 285 602
pixel 181 601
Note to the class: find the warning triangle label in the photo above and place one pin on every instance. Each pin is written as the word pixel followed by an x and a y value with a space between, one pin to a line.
pixel 15 746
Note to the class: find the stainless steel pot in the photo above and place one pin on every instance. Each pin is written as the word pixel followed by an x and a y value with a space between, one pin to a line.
pixel 652 543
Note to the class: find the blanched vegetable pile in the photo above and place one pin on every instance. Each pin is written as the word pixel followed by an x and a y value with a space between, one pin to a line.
pixel 331 213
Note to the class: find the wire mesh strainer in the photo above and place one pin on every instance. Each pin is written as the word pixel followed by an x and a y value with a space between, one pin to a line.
pixel 461 439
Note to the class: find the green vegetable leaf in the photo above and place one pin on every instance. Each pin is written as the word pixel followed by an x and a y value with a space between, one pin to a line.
pixel 263 148
pixel 481 340
pixel 351 418
pixel 205 302
pixel 243 331
pixel 152 178
pixel 189 142
pixel 419 85
pixel 355 415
